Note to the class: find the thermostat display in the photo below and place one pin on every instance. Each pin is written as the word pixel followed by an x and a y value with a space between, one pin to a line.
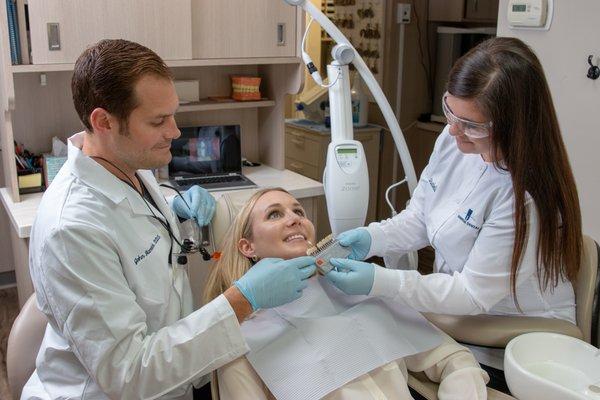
pixel 527 13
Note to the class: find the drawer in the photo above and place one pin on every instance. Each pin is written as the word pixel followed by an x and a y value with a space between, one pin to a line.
pixel 303 168
pixel 299 147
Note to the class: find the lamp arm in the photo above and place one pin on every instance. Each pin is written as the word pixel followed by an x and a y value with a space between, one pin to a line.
pixel 371 83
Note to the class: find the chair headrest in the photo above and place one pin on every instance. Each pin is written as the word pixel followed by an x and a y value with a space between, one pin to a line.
pixel 586 287
pixel 228 206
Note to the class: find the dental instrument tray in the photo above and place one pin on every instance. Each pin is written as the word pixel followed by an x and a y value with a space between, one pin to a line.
pixel 325 250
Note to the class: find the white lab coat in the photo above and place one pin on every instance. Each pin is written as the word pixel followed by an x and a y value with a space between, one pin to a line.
pixel 463 207
pixel 121 320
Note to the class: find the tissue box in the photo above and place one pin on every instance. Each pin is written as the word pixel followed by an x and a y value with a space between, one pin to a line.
pixel 51 167
pixel 187 91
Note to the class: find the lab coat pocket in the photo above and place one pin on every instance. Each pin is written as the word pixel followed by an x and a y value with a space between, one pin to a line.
pixel 457 237
pixel 155 310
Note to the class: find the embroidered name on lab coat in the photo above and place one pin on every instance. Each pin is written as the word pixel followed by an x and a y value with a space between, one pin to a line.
pixel 465 219
pixel 432 184
pixel 148 251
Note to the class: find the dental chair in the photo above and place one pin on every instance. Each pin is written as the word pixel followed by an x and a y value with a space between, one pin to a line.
pixel 227 208
pixel 497 331
pixel 24 343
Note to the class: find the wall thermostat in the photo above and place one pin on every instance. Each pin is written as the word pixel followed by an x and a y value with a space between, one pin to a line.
pixel 530 14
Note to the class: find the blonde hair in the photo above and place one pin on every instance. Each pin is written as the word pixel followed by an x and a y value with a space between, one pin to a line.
pixel 233 264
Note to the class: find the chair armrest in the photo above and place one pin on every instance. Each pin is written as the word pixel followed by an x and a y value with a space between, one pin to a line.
pixel 498 330
pixel 419 382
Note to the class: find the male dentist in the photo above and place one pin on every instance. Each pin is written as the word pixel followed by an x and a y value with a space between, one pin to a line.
pixel 103 250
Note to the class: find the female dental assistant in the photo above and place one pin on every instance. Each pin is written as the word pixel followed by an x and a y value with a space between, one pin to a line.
pixel 497 202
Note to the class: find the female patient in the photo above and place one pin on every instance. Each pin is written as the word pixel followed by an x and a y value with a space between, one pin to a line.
pixel 273 225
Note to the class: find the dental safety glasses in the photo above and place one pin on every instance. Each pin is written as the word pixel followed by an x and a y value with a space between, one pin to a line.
pixel 474 130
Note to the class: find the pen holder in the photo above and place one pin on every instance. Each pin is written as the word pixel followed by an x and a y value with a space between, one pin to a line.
pixel 30 181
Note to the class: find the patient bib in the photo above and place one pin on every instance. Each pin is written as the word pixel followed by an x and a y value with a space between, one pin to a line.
pixel 316 344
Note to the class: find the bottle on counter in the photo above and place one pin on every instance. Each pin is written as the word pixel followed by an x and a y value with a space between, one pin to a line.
pixel 360 102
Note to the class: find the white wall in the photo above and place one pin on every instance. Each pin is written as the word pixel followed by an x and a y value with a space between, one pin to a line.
pixel 6 255
pixel 563 51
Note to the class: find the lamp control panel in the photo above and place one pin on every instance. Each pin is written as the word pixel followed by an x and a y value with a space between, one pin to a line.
pixel 348 157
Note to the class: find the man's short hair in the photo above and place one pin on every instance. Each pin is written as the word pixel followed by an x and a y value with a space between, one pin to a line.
pixel 105 75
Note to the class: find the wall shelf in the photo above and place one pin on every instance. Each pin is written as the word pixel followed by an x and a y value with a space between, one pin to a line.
pixel 211 105
pixel 32 68
pixel 204 40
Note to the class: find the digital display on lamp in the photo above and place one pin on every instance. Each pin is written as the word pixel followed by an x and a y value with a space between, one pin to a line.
pixel 347 151
pixel 519 7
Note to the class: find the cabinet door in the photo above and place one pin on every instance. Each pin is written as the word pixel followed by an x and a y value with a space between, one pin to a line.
pixel 446 10
pixel 243 29
pixel 481 10
pixel 163 26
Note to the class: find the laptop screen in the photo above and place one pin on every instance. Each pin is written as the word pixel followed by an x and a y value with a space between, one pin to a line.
pixel 206 150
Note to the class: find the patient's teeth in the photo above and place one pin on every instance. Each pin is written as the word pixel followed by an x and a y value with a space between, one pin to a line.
pixel 298 236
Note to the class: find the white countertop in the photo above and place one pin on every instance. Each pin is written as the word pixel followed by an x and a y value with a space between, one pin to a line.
pixel 23 213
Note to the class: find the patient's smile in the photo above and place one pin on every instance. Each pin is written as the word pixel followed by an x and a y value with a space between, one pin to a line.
pixel 295 237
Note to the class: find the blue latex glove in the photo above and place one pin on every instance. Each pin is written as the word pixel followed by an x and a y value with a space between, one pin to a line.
pixel 359 241
pixel 273 282
pixel 198 204
pixel 351 277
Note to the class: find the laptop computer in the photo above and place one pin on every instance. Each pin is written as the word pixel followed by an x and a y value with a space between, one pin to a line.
pixel 209 156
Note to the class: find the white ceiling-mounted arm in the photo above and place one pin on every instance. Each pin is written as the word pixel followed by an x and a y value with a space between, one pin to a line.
pixel 371 83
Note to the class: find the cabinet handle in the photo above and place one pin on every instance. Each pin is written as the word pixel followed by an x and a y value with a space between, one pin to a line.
pixel 53 36
pixel 297 167
pixel 281 34
pixel 297 142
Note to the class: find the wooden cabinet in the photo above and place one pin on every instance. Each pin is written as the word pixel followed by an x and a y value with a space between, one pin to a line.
pixel 463 10
pixel 481 10
pixel 306 152
pixel 163 26
pixel 246 28
pixel 240 39
pixel 175 29
pixel 35 107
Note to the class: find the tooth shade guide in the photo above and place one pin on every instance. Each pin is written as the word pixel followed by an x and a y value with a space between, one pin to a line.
pixel 325 250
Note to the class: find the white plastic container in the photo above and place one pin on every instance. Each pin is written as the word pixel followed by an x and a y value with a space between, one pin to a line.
pixel 550 366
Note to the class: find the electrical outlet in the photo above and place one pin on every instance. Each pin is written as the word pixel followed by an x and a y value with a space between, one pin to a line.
pixel 404 11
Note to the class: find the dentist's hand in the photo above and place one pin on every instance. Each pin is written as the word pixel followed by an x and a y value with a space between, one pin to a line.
pixel 273 282
pixel 351 277
pixel 200 205
pixel 359 241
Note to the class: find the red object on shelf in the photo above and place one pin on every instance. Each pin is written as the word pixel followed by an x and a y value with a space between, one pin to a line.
pixel 245 88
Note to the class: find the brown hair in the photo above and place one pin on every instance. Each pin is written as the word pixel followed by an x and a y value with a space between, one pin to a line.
pixel 505 78
pixel 105 75
pixel 233 264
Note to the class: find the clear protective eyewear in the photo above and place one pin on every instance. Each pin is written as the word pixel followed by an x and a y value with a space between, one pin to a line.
pixel 475 130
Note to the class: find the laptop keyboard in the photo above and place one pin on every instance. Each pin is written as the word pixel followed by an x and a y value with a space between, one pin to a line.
pixel 211 179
